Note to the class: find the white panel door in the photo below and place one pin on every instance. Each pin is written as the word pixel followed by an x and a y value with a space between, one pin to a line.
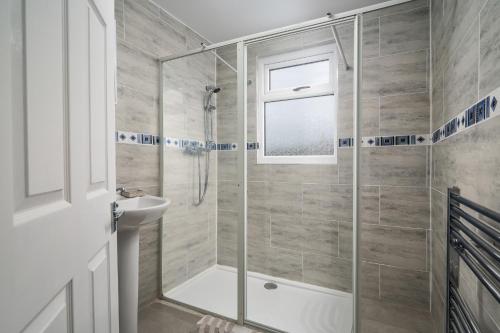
pixel 58 266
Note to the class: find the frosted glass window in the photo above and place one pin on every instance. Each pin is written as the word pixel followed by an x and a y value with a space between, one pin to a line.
pixel 300 127
pixel 309 74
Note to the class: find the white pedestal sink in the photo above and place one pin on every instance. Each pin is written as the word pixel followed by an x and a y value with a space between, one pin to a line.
pixel 136 211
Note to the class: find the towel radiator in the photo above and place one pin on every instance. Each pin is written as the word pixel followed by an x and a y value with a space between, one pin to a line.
pixel 475 242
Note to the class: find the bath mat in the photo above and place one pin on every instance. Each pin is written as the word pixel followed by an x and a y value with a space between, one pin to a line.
pixel 210 324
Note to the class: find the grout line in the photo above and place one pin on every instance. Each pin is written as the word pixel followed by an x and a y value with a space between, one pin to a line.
pixel 379 282
pixel 479 52
pixel 379 204
pixel 424 91
pixel 427 168
pixel 427 263
pixel 393 266
pixel 270 231
pixel 379 114
pixel 397 227
pixel 398 53
pixel 338 239
pixel 428 61
pixel 123 19
pixel 382 185
pixel 302 264
pixel 442 121
pixel 379 38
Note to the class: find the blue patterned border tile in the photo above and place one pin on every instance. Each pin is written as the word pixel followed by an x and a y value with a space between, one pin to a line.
pixel 136 138
pixel 387 141
pixel 346 142
pixel 227 146
pixel 252 146
pixel 477 113
pixel 192 144
pixel 171 142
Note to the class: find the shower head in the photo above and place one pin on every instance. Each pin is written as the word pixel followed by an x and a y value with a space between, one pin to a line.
pixel 212 89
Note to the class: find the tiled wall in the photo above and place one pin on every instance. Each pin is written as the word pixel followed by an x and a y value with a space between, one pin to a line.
pixel 465 68
pixel 144 32
pixel 189 231
pixel 395 230
pixel 300 216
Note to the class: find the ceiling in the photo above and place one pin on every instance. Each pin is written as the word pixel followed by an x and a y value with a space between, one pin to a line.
pixel 220 20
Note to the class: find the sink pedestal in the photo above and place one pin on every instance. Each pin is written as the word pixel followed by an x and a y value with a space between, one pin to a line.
pixel 133 212
pixel 128 278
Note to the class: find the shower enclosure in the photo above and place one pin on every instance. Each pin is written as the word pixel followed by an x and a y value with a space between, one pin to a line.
pixel 262 161
pixel 282 179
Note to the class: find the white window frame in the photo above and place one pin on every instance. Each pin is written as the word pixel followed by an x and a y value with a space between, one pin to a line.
pixel 264 66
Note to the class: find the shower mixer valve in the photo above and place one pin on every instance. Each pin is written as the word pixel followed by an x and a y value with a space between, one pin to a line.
pixel 196 147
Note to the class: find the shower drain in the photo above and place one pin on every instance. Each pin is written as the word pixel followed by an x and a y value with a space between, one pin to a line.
pixel 270 285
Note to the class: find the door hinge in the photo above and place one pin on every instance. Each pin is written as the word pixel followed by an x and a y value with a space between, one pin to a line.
pixel 115 215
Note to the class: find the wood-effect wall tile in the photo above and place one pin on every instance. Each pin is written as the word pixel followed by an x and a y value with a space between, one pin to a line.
pixel 328 271
pixel 395 74
pixel 489 71
pixel 327 202
pixel 403 114
pixel 461 75
pixel 378 316
pixel 397 166
pixel 394 246
pixel 404 32
pixel 405 287
pixel 405 207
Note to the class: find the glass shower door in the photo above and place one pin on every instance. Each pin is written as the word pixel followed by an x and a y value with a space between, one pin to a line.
pixel 199 228
pixel 299 182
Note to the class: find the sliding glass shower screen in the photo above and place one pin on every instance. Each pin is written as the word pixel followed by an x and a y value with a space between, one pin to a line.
pixel 258 161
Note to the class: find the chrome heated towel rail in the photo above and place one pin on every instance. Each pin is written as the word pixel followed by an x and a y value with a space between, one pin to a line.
pixel 474 241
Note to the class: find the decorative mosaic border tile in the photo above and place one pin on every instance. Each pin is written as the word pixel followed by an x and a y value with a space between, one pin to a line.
pixel 477 113
pixel 387 141
pixel 176 143
pixel 137 138
pixel 180 143
pixel 227 146
pixel 252 146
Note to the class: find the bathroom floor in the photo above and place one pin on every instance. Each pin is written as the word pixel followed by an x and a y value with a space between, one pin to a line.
pixel 293 306
pixel 160 317
pixel 164 317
